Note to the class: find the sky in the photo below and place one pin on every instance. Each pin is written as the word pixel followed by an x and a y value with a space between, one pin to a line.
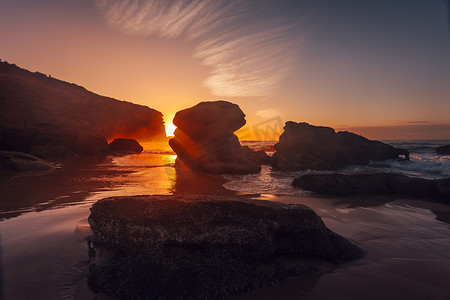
pixel 380 68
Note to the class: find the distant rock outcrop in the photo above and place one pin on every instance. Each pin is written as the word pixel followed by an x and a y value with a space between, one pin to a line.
pixel 303 146
pixel 29 99
pixel 22 162
pixel 204 247
pixel 125 146
pixel 374 184
pixel 443 150
pixel 204 139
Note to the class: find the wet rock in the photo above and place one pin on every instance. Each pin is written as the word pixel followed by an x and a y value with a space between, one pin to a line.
pixel 307 147
pixel 46 138
pixel 444 189
pixel 374 184
pixel 205 247
pixel 262 156
pixel 125 146
pixel 53 153
pixel 22 162
pixel 204 139
pixel 443 150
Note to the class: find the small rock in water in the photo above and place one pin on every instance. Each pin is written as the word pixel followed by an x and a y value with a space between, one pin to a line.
pixel 22 162
pixel 374 184
pixel 443 150
pixel 125 146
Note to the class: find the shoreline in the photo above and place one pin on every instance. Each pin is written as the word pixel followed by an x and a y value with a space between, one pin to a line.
pixel 406 239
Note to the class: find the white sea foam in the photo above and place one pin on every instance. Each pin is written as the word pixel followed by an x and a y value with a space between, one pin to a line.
pixel 424 163
pixel 268 182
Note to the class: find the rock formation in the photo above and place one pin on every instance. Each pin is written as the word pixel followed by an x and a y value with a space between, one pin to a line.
pixel 125 146
pixel 375 184
pixel 48 139
pixel 303 146
pixel 22 162
pixel 204 139
pixel 262 156
pixel 443 150
pixel 204 247
pixel 29 99
pixel 53 153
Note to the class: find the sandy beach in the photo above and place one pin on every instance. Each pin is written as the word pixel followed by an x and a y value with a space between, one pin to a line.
pixel 44 231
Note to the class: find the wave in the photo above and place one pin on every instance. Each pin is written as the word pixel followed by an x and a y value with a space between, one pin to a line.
pixel 268 182
pixel 164 152
pixel 424 163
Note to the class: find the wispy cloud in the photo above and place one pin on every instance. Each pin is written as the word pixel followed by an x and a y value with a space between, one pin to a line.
pixel 414 122
pixel 247 44
pixel 268 113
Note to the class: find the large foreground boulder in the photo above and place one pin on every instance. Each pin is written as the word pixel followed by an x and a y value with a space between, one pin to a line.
pixel 125 146
pixel 204 247
pixel 204 139
pixel 443 150
pixel 307 147
pixel 22 162
pixel 374 184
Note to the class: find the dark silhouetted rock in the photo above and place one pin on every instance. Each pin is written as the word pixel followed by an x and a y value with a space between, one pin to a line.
pixel 262 156
pixel 28 99
pixel 307 147
pixel 444 189
pixel 76 139
pixel 204 247
pixel 22 162
pixel 443 150
pixel 374 184
pixel 204 139
pixel 253 229
pixel 125 146
pixel 53 153
pixel 230 245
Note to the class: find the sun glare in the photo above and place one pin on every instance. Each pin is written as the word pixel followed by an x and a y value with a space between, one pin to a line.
pixel 170 128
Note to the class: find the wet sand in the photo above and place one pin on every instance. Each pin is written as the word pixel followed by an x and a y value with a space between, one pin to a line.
pixel 407 250
pixel 44 252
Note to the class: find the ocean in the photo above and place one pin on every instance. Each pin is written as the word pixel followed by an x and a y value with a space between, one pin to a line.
pixel 424 163
pixel 44 227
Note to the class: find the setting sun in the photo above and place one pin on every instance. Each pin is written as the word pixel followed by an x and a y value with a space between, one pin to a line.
pixel 170 128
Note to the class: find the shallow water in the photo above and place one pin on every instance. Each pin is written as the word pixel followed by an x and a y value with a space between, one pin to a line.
pixel 44 252
pixel 407 252
pixel 424 162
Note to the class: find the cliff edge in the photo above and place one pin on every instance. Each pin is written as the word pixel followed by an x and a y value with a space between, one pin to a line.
pixel 30 99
